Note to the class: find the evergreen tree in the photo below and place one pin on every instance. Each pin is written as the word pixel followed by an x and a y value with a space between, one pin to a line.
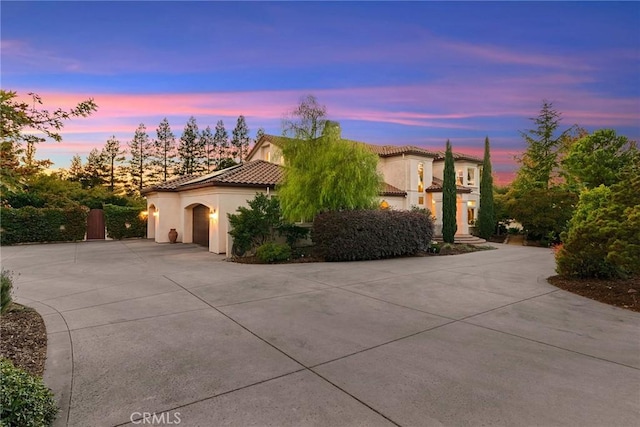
pixel 221 141
pixel 449 198
pixel 191 150
pixel 210 148
pixel 540 159
pixel 486 216
pixel 240 140
pixel 165 151
pixel 113 155
pixel 95 170
pixel 76 171
pixel 141 150
pixel 30 165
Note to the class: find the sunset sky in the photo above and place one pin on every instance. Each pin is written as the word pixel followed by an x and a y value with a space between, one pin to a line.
pixel 414 73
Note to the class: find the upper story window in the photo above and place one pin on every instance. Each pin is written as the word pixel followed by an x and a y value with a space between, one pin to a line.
pixel 420 177
pixel 471 176
pixel 459 177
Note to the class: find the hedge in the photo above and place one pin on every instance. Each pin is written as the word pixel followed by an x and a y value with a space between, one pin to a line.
pixel 31 224
pixel 123 222
pixel 370 234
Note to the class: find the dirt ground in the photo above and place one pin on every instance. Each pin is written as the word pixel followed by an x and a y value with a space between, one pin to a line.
pixel 23 339
pixel 614 292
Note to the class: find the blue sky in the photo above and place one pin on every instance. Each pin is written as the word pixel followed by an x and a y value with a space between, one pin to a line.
pixel 390 72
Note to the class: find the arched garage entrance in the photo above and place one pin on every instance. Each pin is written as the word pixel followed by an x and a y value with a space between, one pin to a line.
pixel 201 225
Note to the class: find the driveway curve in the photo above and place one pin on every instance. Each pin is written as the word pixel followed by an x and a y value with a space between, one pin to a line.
pixel 144 333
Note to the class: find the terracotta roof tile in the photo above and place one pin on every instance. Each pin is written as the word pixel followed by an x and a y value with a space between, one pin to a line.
pixel 436 187
pixel 394 150
pixel 170 185
pixel 390 190
pixel 459 156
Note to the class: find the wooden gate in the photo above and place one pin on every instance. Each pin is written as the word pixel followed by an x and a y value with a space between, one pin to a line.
pixel 95 225
pixel 201 225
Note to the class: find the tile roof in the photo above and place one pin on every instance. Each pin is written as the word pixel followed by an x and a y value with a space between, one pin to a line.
pixel 257 173
pixel 459 156
pixel 390 190
pixel 395 150
pixel 436 187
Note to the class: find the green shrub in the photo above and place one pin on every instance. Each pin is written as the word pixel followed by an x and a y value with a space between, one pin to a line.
pixel 260 223
pixel 25 400
pixel 31 224
pixel 604 234
pixel 7 289
pixel 273 252
pixel 123 222
pixel 371 234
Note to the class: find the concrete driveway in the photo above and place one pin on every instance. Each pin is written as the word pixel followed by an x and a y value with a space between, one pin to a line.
pixel 137 328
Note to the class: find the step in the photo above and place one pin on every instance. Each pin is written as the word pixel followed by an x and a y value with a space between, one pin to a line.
pixel 467 239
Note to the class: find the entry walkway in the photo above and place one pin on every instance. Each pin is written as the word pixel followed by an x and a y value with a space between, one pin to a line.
pixel 136 327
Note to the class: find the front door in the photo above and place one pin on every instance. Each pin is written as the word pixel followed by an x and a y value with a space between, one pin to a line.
pixel 201 225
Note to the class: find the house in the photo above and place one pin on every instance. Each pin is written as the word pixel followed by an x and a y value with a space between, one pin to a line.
pixel 197 206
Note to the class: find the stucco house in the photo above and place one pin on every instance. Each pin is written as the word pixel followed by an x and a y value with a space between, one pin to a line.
pixel 197 206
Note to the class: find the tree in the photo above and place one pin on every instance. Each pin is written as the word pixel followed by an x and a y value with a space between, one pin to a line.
pixel 165 151
pixel 486 216
pixel 603 239
pixel 76 170
pixel 221 141
pixel 327 173
pixel 540 159
pixel 191 150
pixel 113 155
pixel 22 123
pixel 240 139
pixel 306 121
pixel 30 165
pixel 259 134
pixel 95 170
pixel 141 150
pixel 449 197
pixel 543 212
pixel 210 148
pixel 599 159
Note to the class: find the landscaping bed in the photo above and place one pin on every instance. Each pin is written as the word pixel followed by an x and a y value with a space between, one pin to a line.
pixel 609 291
pixel 23 339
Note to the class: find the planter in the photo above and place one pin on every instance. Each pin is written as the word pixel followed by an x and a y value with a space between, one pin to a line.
pixel 173 235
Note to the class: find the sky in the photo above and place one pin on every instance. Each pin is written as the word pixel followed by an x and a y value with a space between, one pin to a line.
pixel 398 73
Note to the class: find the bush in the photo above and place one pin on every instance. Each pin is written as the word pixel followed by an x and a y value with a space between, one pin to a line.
pixel 123 222
pixel 260 223
pixel 371 234
pixel 31 224
pixel 6 283
pixel 273 252
pixel 25 400
pixel 604 233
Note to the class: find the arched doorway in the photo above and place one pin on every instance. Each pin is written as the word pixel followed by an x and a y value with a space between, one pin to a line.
pixel 152 213
pixel 201 225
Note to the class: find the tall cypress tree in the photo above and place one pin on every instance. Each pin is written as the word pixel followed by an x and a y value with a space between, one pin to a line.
pixel 449 225
pixel 486 216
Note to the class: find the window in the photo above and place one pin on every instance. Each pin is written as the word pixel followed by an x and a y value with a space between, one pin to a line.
pixel 421 201
pixel 471 212
pixel 459 178
pixel 420 178
pixel 471 176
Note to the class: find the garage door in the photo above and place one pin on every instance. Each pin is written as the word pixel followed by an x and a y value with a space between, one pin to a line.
pixel 201 225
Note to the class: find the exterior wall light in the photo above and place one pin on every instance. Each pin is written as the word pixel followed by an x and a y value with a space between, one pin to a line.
pixel 214 214
pixel 156 213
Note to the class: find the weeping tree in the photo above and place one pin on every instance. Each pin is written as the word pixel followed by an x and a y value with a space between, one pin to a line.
pixel 327 173
pixel 449 225
pixel 486 216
